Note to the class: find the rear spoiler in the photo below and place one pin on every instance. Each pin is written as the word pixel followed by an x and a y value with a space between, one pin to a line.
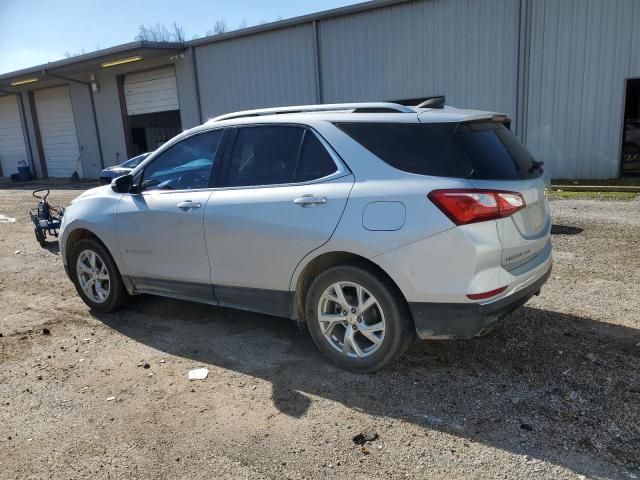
pixel 500 118
pixel 504 119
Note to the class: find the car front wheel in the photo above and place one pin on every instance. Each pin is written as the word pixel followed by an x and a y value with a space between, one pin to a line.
pixel 96 277
pixel 357 319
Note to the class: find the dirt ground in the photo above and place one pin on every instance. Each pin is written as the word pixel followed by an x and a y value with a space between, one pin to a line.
pixel 554 392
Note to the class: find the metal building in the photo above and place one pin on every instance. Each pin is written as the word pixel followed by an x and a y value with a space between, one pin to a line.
pixel 566 71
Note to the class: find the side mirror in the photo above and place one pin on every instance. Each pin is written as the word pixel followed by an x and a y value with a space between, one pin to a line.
pixel 122 184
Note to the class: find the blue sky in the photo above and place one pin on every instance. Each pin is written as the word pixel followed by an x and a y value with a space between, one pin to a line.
pixel 33 32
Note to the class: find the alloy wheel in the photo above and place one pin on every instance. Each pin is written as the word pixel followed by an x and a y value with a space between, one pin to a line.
pixel 351 319
pixel 93 276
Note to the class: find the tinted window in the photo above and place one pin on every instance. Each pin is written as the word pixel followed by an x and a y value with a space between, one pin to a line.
pixel 265 156
pixel 315 162
pixel 186 165
pixel 480 150
pixel 494 152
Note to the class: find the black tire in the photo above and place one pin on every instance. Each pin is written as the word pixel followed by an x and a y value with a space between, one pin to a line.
pixel 118 296
pixel 40 237
pixel 399 329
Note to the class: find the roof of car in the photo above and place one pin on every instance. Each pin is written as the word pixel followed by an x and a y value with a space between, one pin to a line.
pixel 307 115
pixel 353 112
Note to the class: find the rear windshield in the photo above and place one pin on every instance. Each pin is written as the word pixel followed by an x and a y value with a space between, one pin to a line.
pixel 475 150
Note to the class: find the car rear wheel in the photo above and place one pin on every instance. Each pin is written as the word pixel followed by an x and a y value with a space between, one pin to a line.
pixel 96 277
pixel 357 319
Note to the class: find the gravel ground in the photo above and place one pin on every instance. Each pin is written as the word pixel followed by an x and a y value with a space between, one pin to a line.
pixel 554 392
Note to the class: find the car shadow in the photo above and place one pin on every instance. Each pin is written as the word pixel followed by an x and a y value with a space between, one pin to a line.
pixel 51 183
pixel 565 230
pixel 552 386
pixel 53 247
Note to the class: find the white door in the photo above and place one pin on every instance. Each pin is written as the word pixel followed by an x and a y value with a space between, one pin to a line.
pixel 151 91
pixel 58 131
pixel 12 144
pixel 160 230
pixel 287 196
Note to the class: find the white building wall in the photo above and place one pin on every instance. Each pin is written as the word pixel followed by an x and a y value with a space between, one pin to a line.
pixel 465 49
pixel 581 51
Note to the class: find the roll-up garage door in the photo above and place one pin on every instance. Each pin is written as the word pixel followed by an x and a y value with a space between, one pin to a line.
pixel 151 91
pixel 58 131
pixel 12 144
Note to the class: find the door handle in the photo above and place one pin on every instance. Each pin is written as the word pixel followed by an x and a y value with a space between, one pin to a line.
pixel 310 201
pixel 188 205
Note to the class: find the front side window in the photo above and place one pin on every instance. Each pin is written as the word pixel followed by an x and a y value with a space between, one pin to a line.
pixel 186 165
pixel 272 155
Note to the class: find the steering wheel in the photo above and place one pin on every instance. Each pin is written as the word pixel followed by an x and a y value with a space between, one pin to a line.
pixel 39 197
pixel 190 180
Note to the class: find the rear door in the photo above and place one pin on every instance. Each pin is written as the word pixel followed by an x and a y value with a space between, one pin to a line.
pixel 499 162
pixel 285 193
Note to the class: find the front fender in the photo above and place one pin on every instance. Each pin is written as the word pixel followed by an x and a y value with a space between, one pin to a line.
pixel 95 213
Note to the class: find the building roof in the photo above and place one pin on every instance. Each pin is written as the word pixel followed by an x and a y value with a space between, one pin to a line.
pixel 87 61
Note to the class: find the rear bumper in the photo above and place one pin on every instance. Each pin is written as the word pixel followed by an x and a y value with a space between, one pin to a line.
pixel 467 320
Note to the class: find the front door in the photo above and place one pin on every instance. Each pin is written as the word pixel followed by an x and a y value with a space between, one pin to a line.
pixel 160 231
pixel 285 195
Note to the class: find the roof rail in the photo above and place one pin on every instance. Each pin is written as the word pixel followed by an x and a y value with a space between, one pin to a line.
pixel 433 101
pixel 366 107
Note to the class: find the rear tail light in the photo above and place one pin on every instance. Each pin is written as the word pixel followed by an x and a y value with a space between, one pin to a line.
pixel 464 206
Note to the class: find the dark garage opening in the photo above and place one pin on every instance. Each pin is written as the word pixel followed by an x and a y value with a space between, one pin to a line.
pixel 631 130
pixel 150 130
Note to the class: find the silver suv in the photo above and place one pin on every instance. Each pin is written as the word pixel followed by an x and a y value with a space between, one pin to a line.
pixel 370 222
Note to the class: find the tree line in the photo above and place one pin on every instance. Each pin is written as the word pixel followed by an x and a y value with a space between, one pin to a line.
pixel 174 32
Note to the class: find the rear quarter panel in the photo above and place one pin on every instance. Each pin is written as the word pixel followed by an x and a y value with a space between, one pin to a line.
pixel 376 181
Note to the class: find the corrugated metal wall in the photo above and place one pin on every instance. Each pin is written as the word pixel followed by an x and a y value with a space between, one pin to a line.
pixel 85 129
pixel 581 51
pixel 31 134
pixel 466 49
pixel 109 118
pixel 262 70
pixel 187 91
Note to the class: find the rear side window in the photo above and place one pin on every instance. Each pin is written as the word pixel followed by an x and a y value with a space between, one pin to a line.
pixel 411 147
pixel 477 150
pixel 494 153
pixel 272 155
pixel 315 161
